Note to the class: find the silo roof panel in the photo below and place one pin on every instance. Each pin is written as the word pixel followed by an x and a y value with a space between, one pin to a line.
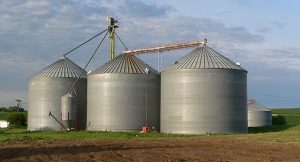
pixel 254 106
pixel 62 68
pixel 124 64
pixel 204 57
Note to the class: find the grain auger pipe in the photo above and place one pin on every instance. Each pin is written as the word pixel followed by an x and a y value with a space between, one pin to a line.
pixel 50 114
pixel 166 47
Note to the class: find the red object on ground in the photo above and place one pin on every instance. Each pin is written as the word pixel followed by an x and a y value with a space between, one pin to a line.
pixel 146 129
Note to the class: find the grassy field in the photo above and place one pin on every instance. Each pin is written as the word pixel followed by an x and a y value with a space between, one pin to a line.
pixel 5 115
pixel 292 115
pixel 294 111
pixel 289 133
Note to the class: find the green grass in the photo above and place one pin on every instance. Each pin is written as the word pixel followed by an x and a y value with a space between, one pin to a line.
pixel 22 134
pixel 292 116
pixel 289 133
pixel 5 115
pixel 293 111
pixel 292 120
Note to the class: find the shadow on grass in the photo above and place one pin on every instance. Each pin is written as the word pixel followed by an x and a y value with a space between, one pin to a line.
pixel 272 128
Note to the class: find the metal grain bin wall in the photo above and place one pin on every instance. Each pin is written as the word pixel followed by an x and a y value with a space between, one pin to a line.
pixel 68 111
pixel 119 92
pixel 46 89
pixel 203 92
pixel 258 115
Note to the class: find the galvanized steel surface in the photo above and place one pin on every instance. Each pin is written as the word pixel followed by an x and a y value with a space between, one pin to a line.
pixel 68 107
pixel 117 102
pixel 45 91
pixel 125 64
pixel 204 58
pixel 258 115
pixel 68 111
pixel 254 106
pixel 117 96
pixel 45 96
pixel 204 101
pixel 204 92
pixel 62 68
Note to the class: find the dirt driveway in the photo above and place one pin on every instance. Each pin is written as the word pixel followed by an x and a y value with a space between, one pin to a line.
pixel 176 149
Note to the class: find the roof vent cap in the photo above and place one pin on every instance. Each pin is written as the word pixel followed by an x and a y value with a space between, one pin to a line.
pixel 147 70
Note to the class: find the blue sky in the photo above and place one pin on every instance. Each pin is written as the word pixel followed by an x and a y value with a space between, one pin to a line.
pixel 263 36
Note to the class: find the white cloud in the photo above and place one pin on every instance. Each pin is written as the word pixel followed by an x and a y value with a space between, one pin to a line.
pixel 143 9
pixel 38 8
pixel 7 98
pixel 36 33
pixel 264 30
pixel 279 24
pixel 32 4
pixel 288 59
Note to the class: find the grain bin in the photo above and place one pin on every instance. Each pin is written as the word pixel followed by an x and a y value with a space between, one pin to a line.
pixel 46 89
pixel 123 95
pixel 69 110
pixel 204 92
pixel 258 114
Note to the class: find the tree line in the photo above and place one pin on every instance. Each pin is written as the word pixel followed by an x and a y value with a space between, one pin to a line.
pixel 12 109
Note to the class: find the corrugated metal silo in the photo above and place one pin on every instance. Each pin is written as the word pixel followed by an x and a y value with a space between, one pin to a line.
pixel 46 89
pixel 258 115
pixel 119 92
pixel 69 110
pixel 204 92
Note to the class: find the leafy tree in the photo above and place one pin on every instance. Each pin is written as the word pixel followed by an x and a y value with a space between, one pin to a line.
pixel 17 119
pixel 13 109
pixel 21 109
pixel 3 109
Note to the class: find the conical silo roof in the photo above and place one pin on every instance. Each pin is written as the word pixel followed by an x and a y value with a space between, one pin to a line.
pixel 62 68
pixel 204 57
pixel 254 106
pixel 125 64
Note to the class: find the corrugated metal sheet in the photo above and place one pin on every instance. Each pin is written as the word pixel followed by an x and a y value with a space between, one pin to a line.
pixel 62 68
pixel 204 92
pixel 45 95
pixel 258 115
pixel 125 64
pixel 254 106
pixel 199 101
pixel 119 102
pixel 204 58
pixel 121 93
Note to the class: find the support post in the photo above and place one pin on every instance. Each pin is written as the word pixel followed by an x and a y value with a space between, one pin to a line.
pixel 111 28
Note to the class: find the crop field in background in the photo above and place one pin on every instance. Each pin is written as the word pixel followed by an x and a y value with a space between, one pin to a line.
pixel 5 115
pixel 288 133
pixel 292 115
pixel 292 111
